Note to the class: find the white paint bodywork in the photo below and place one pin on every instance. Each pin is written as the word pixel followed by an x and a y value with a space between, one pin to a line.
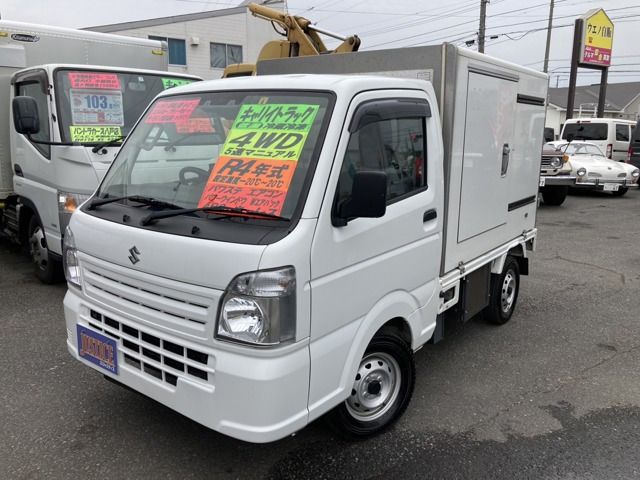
pixel 350 280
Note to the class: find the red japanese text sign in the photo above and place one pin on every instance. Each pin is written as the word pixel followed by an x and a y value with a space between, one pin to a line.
pixel 103 81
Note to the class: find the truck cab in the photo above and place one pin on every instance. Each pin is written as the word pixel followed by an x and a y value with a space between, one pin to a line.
pixel 83 114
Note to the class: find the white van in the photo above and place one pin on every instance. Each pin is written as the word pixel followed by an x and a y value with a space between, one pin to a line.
pixel 611 135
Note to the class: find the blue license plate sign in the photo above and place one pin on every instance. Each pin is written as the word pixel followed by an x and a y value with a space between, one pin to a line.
pixel 98 349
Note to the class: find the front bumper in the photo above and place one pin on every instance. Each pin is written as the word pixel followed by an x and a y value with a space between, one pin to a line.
pixel 253 395
pixel 557 180
pixel 599 184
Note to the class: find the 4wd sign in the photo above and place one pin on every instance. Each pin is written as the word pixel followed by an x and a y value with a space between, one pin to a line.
pixel 597 39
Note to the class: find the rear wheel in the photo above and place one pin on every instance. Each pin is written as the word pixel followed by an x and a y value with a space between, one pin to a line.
pixel 620 192
pixel 47 269
pixel 504 293
pixel 554 195
pixel 381 390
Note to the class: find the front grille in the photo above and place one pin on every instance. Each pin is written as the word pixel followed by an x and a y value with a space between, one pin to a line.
pixel 159 358
pixel 546 161
pixel 622 175
pixel 150 299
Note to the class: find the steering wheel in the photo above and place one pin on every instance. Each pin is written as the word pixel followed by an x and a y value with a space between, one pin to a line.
pixel 201 176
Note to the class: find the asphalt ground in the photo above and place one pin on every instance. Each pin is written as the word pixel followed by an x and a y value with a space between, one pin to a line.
pixel 553 394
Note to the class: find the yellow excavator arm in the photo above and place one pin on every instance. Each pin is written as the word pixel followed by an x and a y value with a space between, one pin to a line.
pixel 302 39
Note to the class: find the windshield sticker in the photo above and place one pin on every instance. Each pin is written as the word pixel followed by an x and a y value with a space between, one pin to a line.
pixel 106 81
pixel 259 157
pixel 195 125
pixel 96 107
pixel 94 134
pixel 175 82
pixel 172 111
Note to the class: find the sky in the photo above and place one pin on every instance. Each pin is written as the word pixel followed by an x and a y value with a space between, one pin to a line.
pixel 520 25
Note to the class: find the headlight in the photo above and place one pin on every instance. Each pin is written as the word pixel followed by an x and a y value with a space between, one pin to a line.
pixel 582 172
pixel 556 162
pixel 67 204
pixel 70 259
pixel 259 308
pixel 635 173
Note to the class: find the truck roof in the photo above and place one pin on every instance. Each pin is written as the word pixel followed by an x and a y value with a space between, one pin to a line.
pixel 82 66
pixel 336 83
pixel 37 29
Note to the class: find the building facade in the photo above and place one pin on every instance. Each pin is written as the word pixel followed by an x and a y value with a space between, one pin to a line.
pixel 205 43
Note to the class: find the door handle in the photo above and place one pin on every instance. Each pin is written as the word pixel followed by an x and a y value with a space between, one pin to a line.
pixel 429 215
pixel 506 152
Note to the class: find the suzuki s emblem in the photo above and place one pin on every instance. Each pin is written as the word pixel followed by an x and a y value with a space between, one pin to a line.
pixel 134 254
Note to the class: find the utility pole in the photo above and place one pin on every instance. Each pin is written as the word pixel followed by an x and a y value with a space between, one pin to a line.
pixel 481 29
pixel 546 52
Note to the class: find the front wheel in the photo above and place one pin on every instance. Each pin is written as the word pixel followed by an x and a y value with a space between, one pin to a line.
pixel 554 195
pixel 47 269
pixel 504 293
pixel 381 390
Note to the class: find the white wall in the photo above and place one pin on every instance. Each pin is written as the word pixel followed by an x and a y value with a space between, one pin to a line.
pixel 237 29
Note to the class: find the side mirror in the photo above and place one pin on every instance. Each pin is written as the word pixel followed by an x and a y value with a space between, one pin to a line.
pixel 368 198
pixel 25 115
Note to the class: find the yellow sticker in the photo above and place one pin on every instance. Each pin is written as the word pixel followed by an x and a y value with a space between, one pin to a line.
pixel 94 134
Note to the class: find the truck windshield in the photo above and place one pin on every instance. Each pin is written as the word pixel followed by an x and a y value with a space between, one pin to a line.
pixel 235 151
pixel 585 131
pixel 98 106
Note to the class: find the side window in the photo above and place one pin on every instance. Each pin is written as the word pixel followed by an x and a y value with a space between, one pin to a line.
pixel 622 132
pixel 34 89
pixel 396 147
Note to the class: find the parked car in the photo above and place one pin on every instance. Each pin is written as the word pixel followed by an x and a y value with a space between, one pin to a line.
pixel 611 135
pixel 555 175
pixel 634 148
pixel 596 172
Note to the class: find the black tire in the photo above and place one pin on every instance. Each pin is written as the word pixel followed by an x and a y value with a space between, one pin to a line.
pixel 47 269
pixel 349 419
pixel 620 192
pixel 504 293
pixel 554 195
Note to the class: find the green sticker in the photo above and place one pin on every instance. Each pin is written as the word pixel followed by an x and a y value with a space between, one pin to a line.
pixel 175 82
pixel 277 131
pixel 94 134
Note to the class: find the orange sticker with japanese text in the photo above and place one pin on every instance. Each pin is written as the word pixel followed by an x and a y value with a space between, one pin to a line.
pixel 253 184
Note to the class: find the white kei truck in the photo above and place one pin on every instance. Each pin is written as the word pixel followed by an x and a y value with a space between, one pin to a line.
pixel 288 257
pixel 84 111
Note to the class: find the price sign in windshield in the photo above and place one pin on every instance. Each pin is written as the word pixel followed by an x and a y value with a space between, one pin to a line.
pixel 108 81
pixel 96 107
pixel 259 157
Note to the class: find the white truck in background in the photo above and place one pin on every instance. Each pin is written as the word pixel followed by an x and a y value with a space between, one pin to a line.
pixel 88 98
pixel 287 258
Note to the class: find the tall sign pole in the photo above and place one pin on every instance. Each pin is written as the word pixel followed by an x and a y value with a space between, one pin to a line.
pixel 545 68
pixel 592 48
pixel 481 28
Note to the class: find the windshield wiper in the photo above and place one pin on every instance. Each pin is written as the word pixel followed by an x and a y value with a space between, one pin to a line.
pixel 217 209
pixel 96 202
pixel 108 143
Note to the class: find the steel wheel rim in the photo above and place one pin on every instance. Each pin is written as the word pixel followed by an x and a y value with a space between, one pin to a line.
pixel 375 388
pixel 508 292
pixel 39 252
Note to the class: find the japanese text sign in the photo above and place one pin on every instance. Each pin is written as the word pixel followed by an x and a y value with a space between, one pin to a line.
pixel 259 157
pixel 172 111
pixel 175 82
pixel 597 39
pixel 94 134
pixel 106 81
